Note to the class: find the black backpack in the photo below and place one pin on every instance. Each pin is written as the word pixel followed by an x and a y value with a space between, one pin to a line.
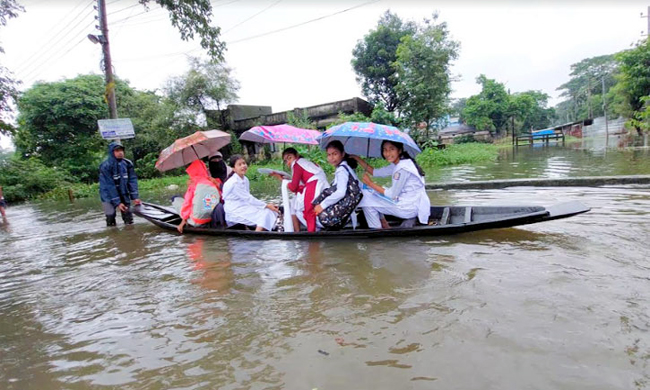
pixel 337 215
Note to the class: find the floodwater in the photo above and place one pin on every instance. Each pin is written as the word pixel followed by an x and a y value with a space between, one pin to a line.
pixel 557 305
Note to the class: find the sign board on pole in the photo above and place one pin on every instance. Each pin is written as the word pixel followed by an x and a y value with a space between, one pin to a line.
pixel 116 128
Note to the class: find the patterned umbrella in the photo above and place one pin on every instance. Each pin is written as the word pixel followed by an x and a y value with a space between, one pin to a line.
pixel 280 134
pixel 365 138
pixel 193 147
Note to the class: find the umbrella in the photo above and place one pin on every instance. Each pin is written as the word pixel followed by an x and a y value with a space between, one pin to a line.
pixel 365 138
pixel 280 134
pixel 193 147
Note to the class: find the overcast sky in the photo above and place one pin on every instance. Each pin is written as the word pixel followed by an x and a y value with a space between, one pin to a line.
pixel 526 46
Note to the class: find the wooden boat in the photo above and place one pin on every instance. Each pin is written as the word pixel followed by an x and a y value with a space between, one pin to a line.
pixel 444 220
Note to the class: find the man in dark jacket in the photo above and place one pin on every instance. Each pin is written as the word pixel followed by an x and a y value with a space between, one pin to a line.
pixel 118 185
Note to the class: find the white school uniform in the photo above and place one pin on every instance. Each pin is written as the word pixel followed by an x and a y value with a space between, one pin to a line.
pixel 407 191
pixel 341 176
pixel 242 207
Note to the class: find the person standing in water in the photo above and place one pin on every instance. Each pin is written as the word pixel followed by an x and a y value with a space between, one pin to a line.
pixel 3 206
pixel 118 185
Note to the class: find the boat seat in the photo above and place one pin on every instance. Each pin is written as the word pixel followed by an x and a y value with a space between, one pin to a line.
pixel 409 223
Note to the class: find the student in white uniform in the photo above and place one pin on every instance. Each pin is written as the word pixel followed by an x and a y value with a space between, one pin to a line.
pixel 307 181
pixel 345 166
pixel 407 191
pixel 242 207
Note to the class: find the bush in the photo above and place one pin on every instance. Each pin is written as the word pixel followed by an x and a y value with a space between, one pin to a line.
pixel 146 167
pixel 458 154
pixel 26 179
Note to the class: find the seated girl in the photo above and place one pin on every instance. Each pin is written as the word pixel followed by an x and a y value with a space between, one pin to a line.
pixel 201 197
pixel 307 182
pixel 240 206
pixel 345 166
pixel 407 192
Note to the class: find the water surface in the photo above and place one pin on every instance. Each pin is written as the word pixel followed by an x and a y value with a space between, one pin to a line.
pixel 562 304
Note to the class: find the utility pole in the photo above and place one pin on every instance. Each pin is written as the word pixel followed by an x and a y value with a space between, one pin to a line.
pixel 108 65
pixel 106 61
pixel 647 16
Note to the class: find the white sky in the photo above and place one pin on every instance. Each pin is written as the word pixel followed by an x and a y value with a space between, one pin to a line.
pixel 527 47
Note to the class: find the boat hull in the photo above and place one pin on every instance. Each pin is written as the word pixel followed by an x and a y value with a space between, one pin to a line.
pixel 444 220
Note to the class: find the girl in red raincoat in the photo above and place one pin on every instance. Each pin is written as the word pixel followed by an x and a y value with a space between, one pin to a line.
pixel 201 197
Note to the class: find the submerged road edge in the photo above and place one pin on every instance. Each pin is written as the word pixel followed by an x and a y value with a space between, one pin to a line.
pixel 584 181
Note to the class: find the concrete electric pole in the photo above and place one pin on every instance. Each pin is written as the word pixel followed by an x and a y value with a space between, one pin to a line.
pixel 107 64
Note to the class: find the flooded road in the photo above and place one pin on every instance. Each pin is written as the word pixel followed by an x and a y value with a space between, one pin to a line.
pixel 562 304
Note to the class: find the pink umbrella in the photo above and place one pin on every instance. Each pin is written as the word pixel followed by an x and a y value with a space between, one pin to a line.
pixel 193 147
pixel 280 134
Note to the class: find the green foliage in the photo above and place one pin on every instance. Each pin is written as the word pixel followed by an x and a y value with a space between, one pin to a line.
pixel 300 119
pixel 423 65
pixel 58 124
pixel 315 155
pixel 634 77
pixel 490 109
pixel 8 86
pixel 584 89
pixel 23 179
pixel 146 167
pixel 192 17
pixel 458 154
pixel 530 111
pixel 494 109
pixel 641 118
pixel 373 58
pixel 207 85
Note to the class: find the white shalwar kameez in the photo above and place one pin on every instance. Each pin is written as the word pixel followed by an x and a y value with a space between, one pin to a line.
pixel 242 207
pixel 407 191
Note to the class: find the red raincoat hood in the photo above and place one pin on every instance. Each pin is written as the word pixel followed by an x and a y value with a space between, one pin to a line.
pixel 197 170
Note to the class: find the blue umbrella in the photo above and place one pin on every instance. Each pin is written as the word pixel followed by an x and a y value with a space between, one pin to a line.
pixel 365 138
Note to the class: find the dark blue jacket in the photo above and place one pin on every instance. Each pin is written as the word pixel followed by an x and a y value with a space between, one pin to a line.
pixel 117 180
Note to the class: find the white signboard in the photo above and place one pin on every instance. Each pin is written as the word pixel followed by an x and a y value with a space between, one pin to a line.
pixel 116 128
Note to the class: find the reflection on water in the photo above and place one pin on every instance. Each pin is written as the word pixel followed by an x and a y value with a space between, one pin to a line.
pixel 561 304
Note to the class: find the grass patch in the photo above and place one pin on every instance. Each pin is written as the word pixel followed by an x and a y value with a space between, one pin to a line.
pixel 452 155
pixel 458 154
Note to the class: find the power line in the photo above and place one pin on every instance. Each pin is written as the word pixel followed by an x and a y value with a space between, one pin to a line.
pixel 246 20
pixel 301 24
pixel 44 56
pixel 187 52
pixel 124 9
pixel 53 37
pixel 51 59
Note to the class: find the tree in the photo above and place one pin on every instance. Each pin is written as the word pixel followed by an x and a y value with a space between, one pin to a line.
pixel 530 110
pixel 373 58
pixel 423 72
pixel 208 85
pixel 192 17
pixel 8 86
pixel 57 123
pixel 490 109
pixel 634 79
pixel 584 89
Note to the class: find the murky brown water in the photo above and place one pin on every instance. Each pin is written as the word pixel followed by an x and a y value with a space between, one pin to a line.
pixel 557 305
